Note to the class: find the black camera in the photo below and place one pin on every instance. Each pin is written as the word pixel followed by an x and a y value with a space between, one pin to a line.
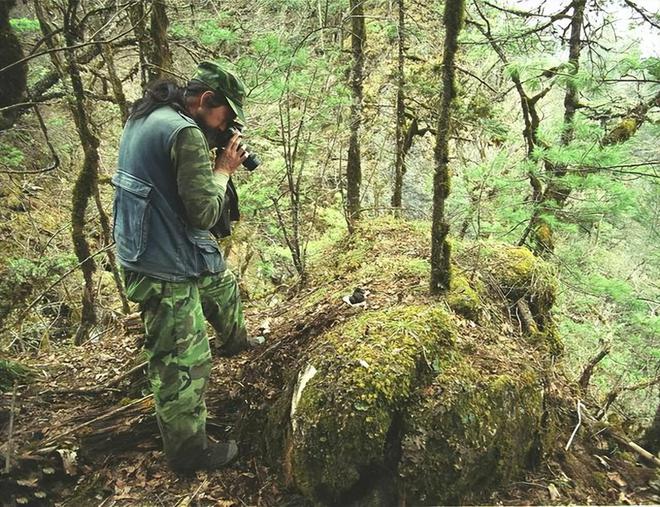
pixel 220 140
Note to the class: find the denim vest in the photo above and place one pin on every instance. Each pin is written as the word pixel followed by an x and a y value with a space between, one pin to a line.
pixel 150 228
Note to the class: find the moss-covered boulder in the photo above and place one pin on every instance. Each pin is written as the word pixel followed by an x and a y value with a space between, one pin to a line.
pixel 356 379
pixel 464 298
pixel 414 398
pixel 528 284
pixel 470 432
pixel 519 274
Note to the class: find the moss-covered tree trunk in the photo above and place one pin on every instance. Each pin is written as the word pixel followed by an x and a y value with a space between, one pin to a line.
pixel 112 260
pixel 115 82
pixel 558 190
pixel 651 439
pixel 136 13
pixel 153 48
pixel 159 54
pixel 13 81
pixel 399 165
pixel 631 122
pixel 571 97
pixel 87 182
pixel 353 164
pixel 440 251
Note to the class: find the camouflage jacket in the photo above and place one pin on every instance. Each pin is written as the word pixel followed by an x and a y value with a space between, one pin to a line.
pixel 201 190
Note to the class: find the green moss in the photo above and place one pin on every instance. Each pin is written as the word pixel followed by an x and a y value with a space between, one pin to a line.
pixel 549 339
pixel 469 433
pixel 367 369
pixel 378 253
pixel 521 275
pixel 512 267
pixel 622 132
pixel 463 299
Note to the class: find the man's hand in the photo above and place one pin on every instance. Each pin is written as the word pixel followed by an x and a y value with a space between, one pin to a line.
pixel 230 157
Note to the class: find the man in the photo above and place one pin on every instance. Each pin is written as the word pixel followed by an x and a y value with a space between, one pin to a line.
pixel 168 194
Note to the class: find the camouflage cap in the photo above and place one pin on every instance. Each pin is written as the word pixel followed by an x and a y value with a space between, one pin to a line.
pixel 224 82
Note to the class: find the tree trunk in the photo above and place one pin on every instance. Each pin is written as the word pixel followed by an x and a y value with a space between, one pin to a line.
pixel 353 165
pixel 440 251
pixel 571 97
pixel 153 49
pixel 13 81
pixel 399 165
pixel 110 254
pixel 651 438
pixel 159 54
pixel 557 190
pixel 137 16
pixel 117 88
pixel 87 182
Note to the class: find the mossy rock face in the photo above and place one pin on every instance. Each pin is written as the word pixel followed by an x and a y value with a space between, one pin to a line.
pixel 523 277
pixel 469 433
pixel 519 272
pixel 366 370
pixel 432 397
pixel 463 299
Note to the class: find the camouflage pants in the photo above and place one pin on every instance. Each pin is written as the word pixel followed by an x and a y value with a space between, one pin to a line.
pixel 178 351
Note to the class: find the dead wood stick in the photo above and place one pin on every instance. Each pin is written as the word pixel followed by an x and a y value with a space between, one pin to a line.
pixel 124 375
pixel 10 442
pixel 54 439
pixel 626 442
pixel 635 447
pixel 528 322
pixel 201 487
pixel 96 390
pixel 83 391
pixel 589 369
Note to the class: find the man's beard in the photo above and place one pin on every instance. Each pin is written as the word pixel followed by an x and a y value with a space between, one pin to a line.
pixel 214 136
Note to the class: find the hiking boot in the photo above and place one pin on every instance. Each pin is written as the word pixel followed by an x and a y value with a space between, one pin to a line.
pixel 216 455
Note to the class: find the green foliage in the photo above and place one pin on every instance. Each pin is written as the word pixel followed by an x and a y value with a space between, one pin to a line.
pixel 609 299
pixel 10 156
pixel 22 25
pixel 209 32
pixel 633 63
pixel 22 277
pixel 12 371
pixel 389 30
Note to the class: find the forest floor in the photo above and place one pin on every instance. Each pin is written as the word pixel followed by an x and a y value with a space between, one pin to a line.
pixel 83 430
pixel 84 434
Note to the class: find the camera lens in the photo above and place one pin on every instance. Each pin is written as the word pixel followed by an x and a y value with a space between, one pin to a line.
pixel 252 162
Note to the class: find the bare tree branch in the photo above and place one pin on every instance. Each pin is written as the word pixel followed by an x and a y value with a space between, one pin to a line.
pixel 67 48
pixel 588 370
pixel 641 12
pixel 465 71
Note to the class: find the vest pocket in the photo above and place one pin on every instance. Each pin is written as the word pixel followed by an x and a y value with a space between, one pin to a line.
pixel 212 259
pixel 131 210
